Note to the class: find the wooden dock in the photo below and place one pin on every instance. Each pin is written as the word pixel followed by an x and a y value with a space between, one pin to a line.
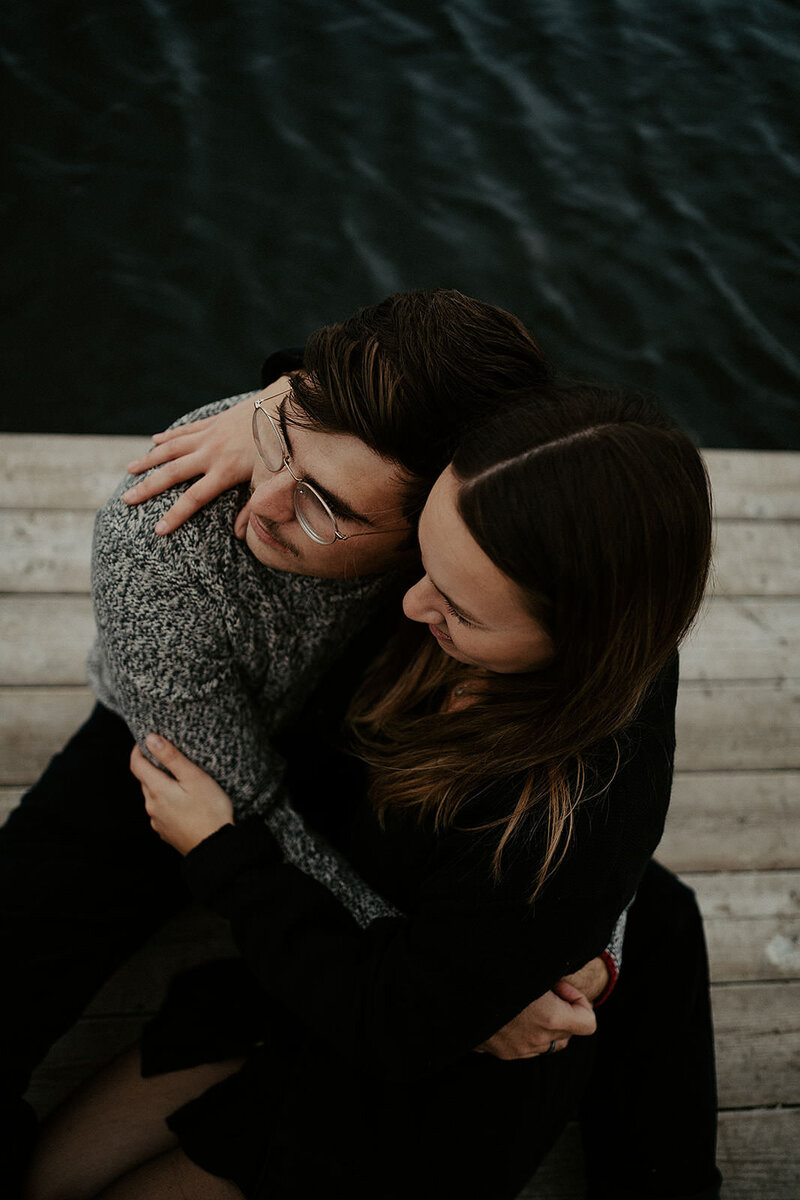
pixel 734 829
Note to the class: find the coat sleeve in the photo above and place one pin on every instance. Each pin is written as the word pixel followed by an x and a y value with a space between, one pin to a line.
pixel 406 995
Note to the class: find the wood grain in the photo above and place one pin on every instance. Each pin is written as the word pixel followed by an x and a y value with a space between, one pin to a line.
pixel 744 638
pixel 34 724
pixel 733 821
pixel 59 471
pixel 738 726
pixel 81 471
pixel 760 484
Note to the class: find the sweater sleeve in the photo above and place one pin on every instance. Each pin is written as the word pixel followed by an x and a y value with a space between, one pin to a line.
pixel 176 675
pixel 164 660
pixel 170 667
pixel 612 956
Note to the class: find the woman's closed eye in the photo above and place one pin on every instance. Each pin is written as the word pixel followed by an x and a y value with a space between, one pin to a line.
pixel 462 620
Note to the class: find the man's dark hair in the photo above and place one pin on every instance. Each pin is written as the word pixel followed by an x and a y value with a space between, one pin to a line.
pixel 409 375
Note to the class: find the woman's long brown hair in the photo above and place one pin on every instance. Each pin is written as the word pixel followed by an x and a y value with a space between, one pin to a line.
pixel 599 510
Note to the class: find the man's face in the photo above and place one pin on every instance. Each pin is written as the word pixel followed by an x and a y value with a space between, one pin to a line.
pixel 363 490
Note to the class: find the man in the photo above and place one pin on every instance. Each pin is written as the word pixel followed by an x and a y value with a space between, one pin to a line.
pixel 216 645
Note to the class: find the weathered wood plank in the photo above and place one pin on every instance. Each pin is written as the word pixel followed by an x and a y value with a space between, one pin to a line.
pixel 733 821
pixel 9 799
pixel 738 726
pixel 750 895
pixel 755 483
pixel 44 639
pixel 745 728
pixel 757 1024
pixel 741 949
pixel 757 558
pixel 758 1151
pixel 60 471
pixel 759 1156
pixel 49 550
pixel 34 724
pixel 744 638
pixel 743 822
pixel 757 1032
pixel 720 726
pixel 45 551
pixel 81 471
pixel 752 923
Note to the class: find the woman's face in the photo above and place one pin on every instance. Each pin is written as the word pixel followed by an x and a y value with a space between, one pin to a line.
pixel 475 612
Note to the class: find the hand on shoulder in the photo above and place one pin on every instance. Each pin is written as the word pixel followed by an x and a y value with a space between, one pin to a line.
pixel 217 452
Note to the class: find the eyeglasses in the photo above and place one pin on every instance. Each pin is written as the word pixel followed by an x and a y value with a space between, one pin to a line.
pixel 312 511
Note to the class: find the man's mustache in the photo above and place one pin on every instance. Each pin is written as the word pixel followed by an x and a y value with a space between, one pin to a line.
pixel 272 528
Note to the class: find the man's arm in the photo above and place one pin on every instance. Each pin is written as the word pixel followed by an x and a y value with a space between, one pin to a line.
pixel 167 662
pixel 564 1012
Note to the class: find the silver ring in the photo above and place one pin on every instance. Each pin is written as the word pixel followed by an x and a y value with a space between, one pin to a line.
pixel 551 1047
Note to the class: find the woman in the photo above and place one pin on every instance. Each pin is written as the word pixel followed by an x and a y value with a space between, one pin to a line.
pixel 565 554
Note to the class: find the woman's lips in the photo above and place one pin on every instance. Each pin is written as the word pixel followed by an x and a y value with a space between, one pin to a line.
pixel 439 635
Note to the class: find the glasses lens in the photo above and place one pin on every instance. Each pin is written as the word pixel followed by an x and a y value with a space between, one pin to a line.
pixel 314 515
pixel 267 441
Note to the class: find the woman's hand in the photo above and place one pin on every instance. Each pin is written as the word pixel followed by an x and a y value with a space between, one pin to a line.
pixel 218 449
pixel 185 806
pixel 551 1018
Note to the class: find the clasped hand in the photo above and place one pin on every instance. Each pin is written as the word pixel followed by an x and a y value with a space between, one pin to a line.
pixel 184 806
pixel 556 1016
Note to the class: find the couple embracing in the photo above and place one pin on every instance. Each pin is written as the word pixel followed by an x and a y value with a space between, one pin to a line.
pixel 424 834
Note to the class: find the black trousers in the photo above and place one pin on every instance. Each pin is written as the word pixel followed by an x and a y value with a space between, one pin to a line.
pixel 84 882
pixel 649 1117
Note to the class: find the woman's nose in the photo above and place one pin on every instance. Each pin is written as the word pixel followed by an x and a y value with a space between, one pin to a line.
pixel 273 497
pixel 420 603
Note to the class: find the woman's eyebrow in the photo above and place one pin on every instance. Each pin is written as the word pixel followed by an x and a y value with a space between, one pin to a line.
pixel 339 507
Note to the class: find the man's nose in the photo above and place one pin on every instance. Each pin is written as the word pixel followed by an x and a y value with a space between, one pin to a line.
pixel 274 498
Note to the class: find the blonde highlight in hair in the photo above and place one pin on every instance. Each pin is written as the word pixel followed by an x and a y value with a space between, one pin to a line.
pixel 599 511
pixel 408 375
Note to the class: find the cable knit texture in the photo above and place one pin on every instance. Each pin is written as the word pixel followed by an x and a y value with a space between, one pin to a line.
pixel 200 642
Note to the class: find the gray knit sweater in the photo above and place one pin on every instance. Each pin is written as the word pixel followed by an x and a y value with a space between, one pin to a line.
pixel 203 644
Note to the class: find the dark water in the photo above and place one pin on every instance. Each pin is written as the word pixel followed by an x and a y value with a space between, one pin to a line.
pixel 194 184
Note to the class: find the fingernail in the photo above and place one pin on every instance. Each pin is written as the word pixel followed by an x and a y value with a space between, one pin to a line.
pixel 162 527
pixel 131 492
pixel 131 465
pixel 155 742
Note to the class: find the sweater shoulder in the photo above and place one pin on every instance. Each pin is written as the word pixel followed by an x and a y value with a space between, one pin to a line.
pixel 126 532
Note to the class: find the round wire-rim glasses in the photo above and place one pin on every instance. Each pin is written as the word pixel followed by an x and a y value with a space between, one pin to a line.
pixel 312 511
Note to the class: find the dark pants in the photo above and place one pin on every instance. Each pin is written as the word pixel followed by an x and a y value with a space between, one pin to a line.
pixel 85 882
pixel 649 1118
